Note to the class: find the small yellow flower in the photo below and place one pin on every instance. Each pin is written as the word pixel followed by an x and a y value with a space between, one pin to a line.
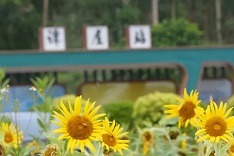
pixel 11 136
pixel 231 148
pixel 35 144
pixel 2 150
pixel 184 142
pixel 148 141
pixel 186 109
pixel 79 127
pixel 111 137
pixel 214 123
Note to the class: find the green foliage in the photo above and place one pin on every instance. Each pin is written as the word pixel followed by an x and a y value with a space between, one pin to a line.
pixel 43 86
pixel 150 107
pixel 66 99
pixel 230 103
pixel 43 83
pixel 20 29
pixel 120 111
pixel 4 88
pixel 71 80
pixel 227 30
pixel 128 14
pixel 162 140
pixel 3 82
pixel 43 101
pixel 176 33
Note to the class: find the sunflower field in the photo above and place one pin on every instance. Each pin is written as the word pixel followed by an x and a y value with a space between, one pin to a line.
pixel 155 124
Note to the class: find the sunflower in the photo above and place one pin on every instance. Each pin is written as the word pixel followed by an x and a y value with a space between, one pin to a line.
pixel 148 141
pixel 78 126
pixel 11 136
pixel 231 149
pixel 2 150
pixel 215 124
pixel 50 150
pixel 111 137
pixel 36 145
pixel 186 109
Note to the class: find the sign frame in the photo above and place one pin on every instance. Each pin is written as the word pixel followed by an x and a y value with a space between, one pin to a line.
pixel 42 42
pixel 129 32
pixel 87 37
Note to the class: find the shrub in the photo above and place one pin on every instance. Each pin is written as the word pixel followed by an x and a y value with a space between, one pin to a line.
pixel 176 33
pixel 150 107
pixel 120 111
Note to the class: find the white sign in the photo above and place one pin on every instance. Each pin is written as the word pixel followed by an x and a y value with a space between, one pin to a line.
pixel 139 36
pixel 97 37
pixel 53 39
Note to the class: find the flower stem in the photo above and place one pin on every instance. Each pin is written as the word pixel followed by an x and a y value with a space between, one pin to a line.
pixel 217 149
pixel 98 151
pixel 200 149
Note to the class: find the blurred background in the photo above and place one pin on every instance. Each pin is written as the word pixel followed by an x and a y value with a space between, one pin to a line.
pixel 207 22
pixel 191 45
pixel 174 25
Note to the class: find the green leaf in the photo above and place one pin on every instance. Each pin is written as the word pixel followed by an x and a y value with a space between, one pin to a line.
pixel 40 123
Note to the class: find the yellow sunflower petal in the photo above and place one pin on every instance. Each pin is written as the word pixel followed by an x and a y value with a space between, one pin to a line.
pixel 87 107
pixel 171 106
pixel 93 112
pixel 212 139
pixel 217 139
pixel 71 144
pixel 90 146
pixel 77 106
pixel 60 117
pixel 96 117
pixel 228 112
pixel 60 130
pixel 200 131
pixel 203 138
pixel 81 144
pixel 65 111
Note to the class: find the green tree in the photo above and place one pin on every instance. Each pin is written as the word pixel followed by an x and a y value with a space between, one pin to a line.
pixel 176 33
pixel 77 14
pixel 19 22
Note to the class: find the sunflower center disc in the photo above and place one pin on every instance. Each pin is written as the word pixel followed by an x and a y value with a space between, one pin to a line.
pixel 187 111
pixel 147 136
pixel 109 140
pixel 79 127
pixel 8 137
pixel 216 126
